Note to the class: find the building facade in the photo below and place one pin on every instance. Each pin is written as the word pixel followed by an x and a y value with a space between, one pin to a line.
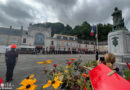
pixel 34 37
pixel 39 38
pixel 65 43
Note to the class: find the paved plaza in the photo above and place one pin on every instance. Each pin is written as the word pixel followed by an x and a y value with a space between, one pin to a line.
pixel 27 65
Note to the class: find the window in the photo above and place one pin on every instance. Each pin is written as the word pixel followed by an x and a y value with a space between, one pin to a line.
pixel 79 45
pixel 71 38
pixel 76 39
pixel 39 39
pixel 69 44
pixel 58 37
pixel 24 40
pixel 64 43
pixel 65 38
pixel 58 43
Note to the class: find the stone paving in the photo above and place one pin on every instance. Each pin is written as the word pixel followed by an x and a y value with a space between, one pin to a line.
pixel 27 65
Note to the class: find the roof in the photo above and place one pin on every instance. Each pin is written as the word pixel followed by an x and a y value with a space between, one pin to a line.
pixel 64 35
pixel 8 31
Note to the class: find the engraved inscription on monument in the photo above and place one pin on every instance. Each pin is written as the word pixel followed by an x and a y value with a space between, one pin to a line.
pixel 115 44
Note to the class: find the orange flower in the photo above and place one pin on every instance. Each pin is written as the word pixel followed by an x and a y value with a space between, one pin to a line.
pixel 84 75
pixel 55 65
pixel 45 62
pixel 72 59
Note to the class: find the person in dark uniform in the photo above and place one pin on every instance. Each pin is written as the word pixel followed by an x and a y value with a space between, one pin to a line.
pixel 11 57
pixel 97 54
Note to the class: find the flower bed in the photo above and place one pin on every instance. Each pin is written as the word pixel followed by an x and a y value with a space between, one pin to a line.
pixel 74 76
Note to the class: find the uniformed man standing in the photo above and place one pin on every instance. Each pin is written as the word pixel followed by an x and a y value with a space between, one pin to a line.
pixel 11 57
pixel 97 54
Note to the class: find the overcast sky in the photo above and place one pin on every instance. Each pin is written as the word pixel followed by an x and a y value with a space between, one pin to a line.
pixel 72 12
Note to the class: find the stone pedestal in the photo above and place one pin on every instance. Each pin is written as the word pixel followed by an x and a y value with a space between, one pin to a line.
pixel 119 44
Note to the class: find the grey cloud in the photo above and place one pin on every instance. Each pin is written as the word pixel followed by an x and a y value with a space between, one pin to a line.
pixel 15 13
pixel 98 11
pixel 15 10
pixel 93 11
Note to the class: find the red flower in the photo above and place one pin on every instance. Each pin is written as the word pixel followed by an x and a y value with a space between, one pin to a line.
pixel 85 82
pixel 72 59
pixel 85 88
pixel 69 63
pixel 55 65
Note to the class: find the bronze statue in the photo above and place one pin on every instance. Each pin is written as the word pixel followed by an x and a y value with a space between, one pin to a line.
pixel 118 21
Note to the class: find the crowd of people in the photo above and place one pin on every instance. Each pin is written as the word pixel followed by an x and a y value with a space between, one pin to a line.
pixel 36 51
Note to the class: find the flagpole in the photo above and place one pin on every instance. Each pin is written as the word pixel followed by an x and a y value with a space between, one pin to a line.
pixel 97 35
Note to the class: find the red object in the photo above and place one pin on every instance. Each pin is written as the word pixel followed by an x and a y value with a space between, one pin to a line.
pixel 85 82
pixel 68 63
pixel 129 79
pixel 129 69
pixel 55 65
pixel 92 33
pixel 84 75
pixel 13 46
pixel 101 81
pixel 72 59
pixel 128 65
pixel 85 88
pixel 1 80
pixel 39 47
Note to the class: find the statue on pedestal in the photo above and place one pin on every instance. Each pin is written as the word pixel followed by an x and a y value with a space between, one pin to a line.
pixel 118 21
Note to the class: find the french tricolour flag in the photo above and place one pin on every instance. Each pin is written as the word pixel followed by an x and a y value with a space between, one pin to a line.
pixel 93 31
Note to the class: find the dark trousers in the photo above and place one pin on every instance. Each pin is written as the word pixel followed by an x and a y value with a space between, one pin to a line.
pixel 9 73
pixel 96 57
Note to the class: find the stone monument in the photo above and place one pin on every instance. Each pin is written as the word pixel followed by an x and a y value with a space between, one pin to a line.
pixel 118 21
pixel 119 39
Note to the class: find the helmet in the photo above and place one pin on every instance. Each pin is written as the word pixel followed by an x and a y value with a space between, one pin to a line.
pixel 13 46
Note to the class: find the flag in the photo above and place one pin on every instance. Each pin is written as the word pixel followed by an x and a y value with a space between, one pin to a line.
pixel 96 36
pixel 92 31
